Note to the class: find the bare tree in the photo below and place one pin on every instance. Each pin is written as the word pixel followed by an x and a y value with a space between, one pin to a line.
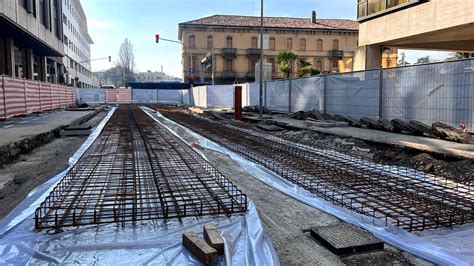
pixel 126 61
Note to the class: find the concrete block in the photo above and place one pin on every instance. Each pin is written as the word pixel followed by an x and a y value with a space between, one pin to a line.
pixel 199 248
pixel 213 238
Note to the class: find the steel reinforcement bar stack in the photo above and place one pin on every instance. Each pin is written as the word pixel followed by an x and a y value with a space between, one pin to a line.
pixel 137 170
pixel 400 196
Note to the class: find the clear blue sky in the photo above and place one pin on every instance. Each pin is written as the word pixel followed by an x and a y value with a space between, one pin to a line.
pixel 111 21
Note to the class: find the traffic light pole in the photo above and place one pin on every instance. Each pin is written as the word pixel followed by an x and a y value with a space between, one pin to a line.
pixel 260 113
pixel 190 52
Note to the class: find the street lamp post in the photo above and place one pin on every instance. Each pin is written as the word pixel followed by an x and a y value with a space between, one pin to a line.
pixel 261 62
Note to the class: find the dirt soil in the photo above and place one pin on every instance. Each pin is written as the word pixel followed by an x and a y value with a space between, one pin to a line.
pixel 30 170
pixel 457 169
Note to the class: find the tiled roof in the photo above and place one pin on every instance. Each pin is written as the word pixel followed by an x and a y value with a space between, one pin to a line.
pixel 275 22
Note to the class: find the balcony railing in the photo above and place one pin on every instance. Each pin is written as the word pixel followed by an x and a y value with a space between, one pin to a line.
pixel 229 74
pixel 336 54
pixel 229 52
pixel 253 53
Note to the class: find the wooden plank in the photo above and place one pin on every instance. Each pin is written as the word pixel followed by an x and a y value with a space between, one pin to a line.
pixel 199 248
pixel 451 133
pixel 370 123
pixel 213 238
pixel 420 127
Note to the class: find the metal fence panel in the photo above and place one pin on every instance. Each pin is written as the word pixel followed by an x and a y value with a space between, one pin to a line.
pixel 186 99
pixel 144 96
pixel 307 94
pixel 220 96
pixel 277 97
pixel 199 96
pixel 91 95
pixel 354 94
pixel 170 96
pixel 254 93
pixel 431 93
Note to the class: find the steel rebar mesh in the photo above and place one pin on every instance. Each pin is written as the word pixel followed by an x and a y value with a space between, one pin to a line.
pixel 400 196
pixel 137 170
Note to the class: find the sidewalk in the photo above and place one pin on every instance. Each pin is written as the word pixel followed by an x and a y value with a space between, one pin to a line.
pixel 20 135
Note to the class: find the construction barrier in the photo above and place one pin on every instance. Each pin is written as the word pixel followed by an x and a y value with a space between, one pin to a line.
pixel 21 97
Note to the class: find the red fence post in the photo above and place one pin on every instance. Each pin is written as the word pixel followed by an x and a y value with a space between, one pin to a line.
pixel 238 102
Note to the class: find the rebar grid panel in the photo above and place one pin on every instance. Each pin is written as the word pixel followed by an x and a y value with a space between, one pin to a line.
pixel 400 196
pixel 137 170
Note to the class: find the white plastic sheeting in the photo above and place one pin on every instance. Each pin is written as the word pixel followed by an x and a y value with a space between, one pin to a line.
pixel 170 96
pixel 146 242
pixel 91 95
pixel 199 96
pixel 144 96
pixel 431 93
pixel 307 94
pixel 254 93
pixel 445 247
pixel 354 94
pixel 277 93
pixel 220 96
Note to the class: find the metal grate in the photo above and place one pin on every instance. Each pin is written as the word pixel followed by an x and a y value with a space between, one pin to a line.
pixel 400 196
pixel 138 170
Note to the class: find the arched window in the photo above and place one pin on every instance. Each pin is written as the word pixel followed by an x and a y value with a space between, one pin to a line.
pixel 192 41
pixel 303 44
pixel 228 42
pixel 319 45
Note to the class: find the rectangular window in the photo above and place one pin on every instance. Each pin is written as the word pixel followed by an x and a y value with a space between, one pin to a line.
pixel 228 42
pixel 375 6
pixel 254 43
pixel 335 44
pixel 289 44
pixel 209 42
pixel 272 61
pixel 303 44
pixel 272 44
pixel 319 45
pixel 192 41
pixel 252 66
pixel 228 65
pixel 367 8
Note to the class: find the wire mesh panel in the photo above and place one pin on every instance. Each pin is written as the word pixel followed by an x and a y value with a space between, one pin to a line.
pixel 254 93
pixel 277 95
pixel 144 96
pixel 354 94
pixel 91 95
pixel 220 96
pixel 442 92
pixel 307 94
pixel 138 170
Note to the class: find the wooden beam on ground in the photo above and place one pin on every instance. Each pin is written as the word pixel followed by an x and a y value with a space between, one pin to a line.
pixel 213 238
pixel 199 248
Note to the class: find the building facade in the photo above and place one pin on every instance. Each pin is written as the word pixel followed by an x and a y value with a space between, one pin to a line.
pixel 77 46
pixel 233 42
pixel 33 41
pixel 444 25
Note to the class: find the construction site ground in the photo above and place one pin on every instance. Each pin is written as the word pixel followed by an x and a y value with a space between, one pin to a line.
pixel 420 143
pixel 29 170
pixel 286 220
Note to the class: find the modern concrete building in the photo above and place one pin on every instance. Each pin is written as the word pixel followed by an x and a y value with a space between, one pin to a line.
pixel 445 25
pixel 328 44
pixel 77 44
pixel 34 39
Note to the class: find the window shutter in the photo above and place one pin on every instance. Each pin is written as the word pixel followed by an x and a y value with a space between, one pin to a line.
pixel 29 6
pixel 47 13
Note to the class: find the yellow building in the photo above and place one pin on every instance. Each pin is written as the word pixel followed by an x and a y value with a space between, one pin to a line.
pixel 328 44
pixel 445 25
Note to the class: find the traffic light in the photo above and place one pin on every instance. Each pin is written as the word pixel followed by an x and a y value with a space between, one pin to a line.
pixel 157 38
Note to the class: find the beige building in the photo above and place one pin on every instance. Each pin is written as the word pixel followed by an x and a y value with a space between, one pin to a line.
pixel 446 25
pixel 328 44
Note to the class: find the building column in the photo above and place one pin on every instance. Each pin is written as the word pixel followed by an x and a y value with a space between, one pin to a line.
pixel 28 66
pixel 43 64
pixel 55 78
pixel 7 56
pixel 368 57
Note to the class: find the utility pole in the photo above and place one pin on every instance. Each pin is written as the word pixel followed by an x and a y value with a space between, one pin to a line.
pixel 261 62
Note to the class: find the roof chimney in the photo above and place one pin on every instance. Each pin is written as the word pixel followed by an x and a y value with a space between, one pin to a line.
pixel 313 17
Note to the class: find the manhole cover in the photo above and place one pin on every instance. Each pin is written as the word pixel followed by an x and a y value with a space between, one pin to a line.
pixel 343 239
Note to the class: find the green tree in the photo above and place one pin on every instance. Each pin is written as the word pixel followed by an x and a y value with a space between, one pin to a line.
pixel 286 61
pixel 461 55
pixel 423 60
pixel 306 69
pixel 402 61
